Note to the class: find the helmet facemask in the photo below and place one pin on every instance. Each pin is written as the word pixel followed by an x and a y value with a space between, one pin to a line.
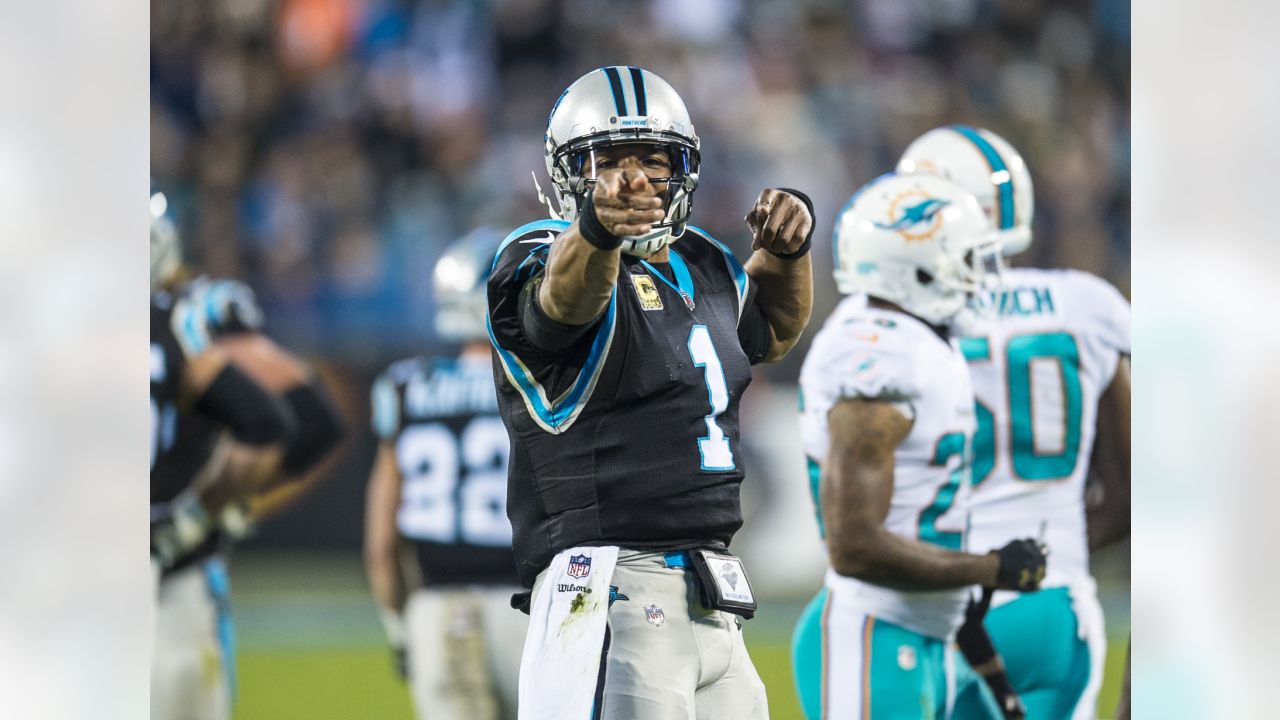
pixel 574 174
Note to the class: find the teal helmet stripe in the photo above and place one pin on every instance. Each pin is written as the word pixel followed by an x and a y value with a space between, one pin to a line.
pixel 615 84
pixel 637 84
pixel 1004 189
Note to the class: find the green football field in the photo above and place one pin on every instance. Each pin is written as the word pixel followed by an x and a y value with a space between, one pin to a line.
pixel 309 646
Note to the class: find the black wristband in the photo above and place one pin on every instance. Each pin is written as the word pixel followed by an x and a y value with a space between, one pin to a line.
pixel 592 230
pixel 808 240
pixel 320 427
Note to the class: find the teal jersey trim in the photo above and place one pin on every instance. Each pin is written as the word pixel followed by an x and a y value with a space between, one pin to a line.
pixel 1028 464
pixel 978 349
pixel 949 445
pixel 736 271
pixel 549 225
pixel 684 281
pixel 815 480
pixel 556 417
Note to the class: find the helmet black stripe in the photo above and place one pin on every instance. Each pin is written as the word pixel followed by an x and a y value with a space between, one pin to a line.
pixel 615 83
pixel 637 84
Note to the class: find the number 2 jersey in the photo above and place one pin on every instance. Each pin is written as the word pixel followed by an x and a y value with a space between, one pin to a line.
pixel 441 418
pixel 628 437
pixel 870 353
pixel 1039 365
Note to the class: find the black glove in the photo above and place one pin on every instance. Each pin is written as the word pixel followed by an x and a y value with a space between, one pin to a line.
pixel 1022 565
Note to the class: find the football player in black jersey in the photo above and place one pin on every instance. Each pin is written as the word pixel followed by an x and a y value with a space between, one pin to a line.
pixel 201 474
pixel 624 339
pixel 438 493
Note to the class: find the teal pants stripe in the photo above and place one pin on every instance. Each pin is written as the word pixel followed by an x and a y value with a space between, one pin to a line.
pixel 1048 663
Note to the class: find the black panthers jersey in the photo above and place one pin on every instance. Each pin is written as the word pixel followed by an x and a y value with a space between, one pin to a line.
pixel 629 437
pixel 441 418
pixel 183 324
pixel 178 333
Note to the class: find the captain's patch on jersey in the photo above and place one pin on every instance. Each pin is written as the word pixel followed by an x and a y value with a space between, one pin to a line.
pixel 647 292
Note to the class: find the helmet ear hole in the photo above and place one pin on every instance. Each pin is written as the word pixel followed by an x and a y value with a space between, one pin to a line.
pixel 923 277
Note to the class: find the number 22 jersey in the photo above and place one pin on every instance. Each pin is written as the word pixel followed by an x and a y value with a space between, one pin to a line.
pixel 441 417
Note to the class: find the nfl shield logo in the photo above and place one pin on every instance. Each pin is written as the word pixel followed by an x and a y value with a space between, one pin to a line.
pixel 579 566
pixel 654 615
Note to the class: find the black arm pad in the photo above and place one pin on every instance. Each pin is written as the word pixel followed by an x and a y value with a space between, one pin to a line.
pixel 320 427
pixel 546 333
pixel 253 415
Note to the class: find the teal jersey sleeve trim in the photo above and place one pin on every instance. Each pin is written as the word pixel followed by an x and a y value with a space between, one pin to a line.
pixel 556 417
pixel 386 408
pixel 550 225
pixel 739 274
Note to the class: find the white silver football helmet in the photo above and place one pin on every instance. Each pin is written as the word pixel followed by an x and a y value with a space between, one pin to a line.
pixel 459 285
pixel 616 105
pixel 919 241
pixel 987 166
pixel 166 250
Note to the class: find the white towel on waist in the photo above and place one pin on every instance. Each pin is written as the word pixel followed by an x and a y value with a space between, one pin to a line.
pixel 568 615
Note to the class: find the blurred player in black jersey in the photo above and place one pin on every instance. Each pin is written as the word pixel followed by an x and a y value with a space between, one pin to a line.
pixel 625 339
pixel 438 495
pixel 233 415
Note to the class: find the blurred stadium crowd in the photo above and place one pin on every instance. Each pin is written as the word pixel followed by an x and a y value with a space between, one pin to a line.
pixel 326 151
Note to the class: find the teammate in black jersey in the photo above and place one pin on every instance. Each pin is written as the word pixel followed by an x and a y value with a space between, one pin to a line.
pixel 624 341
pixel 202 475
pixel 438 490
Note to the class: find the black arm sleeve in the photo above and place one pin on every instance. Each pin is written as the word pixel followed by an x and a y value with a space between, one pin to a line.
pixel 320 426
pixel 754 332
pixel 545 333
pixel 252 414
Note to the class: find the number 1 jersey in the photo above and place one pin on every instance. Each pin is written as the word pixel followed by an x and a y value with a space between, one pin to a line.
pixel 630 436
pixel 1039 365
pixel 441 417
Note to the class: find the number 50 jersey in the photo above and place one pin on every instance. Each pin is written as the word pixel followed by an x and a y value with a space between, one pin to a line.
pixel 1038 367
pixel 451 448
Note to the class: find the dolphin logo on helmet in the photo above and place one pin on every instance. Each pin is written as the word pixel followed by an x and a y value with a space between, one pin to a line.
pixel 621 105
pixel 986 165
pixel 937 271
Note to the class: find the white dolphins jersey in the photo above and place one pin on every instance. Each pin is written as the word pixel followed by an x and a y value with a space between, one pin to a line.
pixel 1039 366
pixel 866 352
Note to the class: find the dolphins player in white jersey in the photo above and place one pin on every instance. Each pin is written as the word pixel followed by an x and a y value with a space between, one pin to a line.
pixel 887 422
pixel 1050 371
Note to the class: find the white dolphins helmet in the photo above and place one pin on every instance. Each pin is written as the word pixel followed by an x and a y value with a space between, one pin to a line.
pixel 460 288
pixel 616 105
pixel 166 251
pixel 987 166
pixel 919 241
